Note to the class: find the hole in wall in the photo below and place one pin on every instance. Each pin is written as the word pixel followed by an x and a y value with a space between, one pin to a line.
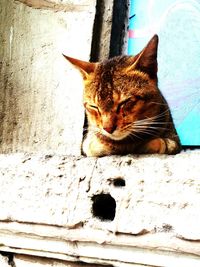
pixel 118 182
pixel 103 207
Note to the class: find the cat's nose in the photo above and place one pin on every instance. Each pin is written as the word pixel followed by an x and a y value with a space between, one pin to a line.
pixel 110 129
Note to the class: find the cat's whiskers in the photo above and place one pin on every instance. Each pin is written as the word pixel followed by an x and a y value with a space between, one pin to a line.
pixel 133 130
pixel 155 122
pixel 133 135
pixel 151 132
pixel 151 120
pixel 158 103
pixel 128 131
pixel 156 117
pixel 93 130
pixel 149 126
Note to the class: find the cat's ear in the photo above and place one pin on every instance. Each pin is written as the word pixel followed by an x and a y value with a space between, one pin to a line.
pixel 83 66
pixel 146 60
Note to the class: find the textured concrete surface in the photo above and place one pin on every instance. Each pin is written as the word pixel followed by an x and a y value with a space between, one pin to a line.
pixel 131 209
pixel 4 261
pixel 48 201
pixel 40 93
pixel 58 190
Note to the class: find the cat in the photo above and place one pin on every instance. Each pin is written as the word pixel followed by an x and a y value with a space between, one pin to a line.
pixel 126 112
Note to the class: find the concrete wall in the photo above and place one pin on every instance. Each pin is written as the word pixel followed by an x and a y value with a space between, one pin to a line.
pixel 38 111
pixel 117 211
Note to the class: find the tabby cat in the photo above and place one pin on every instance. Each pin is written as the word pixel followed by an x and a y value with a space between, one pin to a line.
pixel 126 112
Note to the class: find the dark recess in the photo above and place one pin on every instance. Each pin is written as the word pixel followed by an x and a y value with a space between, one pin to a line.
pixel 96 39
pixel 10 257
pixel 120 13
pixel 118 27
pixel 103 207
pixel 118 182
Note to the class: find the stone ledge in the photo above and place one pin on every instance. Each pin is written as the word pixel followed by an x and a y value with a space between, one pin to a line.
pixel 48 208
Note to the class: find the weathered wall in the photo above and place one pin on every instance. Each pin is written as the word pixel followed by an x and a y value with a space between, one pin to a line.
pixel 47 201
pixel 40 93
pixel 113 210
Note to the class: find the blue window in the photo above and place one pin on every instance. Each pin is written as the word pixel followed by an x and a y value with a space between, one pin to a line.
pixel 177 22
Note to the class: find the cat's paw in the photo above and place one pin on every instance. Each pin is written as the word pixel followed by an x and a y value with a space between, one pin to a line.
pixel 157 145
pixel 93 147
pixel 172 147
pixel 161 146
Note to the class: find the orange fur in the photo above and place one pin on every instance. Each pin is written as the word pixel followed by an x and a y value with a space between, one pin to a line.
pixel 126 112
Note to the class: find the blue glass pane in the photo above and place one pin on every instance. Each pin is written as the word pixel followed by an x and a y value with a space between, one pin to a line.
pixel 177 22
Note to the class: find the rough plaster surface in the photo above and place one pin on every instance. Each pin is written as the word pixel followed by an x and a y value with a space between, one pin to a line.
pixel 46 205
pixel 57 190
pixel 4 261
pixel 40 93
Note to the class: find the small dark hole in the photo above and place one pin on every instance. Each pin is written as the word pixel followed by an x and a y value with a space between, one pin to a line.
pixel 103 207
pixel 119 182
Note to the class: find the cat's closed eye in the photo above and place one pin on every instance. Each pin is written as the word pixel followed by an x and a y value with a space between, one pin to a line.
pixel 91 108
pixel 126 105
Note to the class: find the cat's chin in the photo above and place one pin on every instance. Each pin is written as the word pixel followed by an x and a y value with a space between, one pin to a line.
pixel 115 136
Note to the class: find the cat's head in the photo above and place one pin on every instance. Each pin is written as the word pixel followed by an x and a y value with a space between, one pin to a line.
pixel 121 93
